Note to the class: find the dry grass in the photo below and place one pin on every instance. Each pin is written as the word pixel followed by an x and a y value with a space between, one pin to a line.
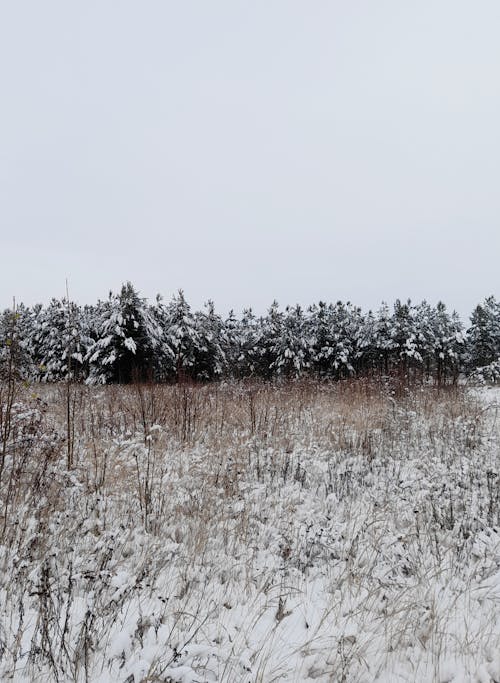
pixel 248 531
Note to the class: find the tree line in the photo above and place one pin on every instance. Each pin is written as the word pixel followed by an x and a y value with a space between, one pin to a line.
pixel 124 338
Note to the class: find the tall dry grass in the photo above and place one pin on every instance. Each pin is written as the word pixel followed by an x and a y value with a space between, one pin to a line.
pixel 353 496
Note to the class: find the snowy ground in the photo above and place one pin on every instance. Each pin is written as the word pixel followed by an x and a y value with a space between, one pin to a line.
pixel 251 533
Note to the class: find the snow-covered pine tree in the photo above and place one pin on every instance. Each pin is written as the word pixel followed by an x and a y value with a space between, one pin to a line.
pixel 360 334
pixel 232 345
pixel 293 344
pixel 366 354
pixel 249 350
pixel 210 358
pixel 181 336
pixel 58 345
pixel 126 339
pixel 447 342
pixel 336 338
pixel 405 337
pixel 268 343
pixel 164 360
pixel 423 316
pixel 322 347
pixel 483 336
pixel 384 343
pixel 341 340
pixel 15 342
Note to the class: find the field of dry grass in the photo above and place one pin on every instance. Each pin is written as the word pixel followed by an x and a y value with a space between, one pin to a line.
pixel 249 532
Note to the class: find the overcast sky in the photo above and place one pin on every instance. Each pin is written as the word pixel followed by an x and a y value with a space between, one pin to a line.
pixel 246 151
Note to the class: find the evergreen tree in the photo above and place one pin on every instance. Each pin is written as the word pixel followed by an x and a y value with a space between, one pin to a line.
pixel 58 346
pixel 367 359
pixel 127 338
pixel 232 346
pixel 405 335
pixel 359 329
pixel 293 345
pixel 483 336
pixel 268 343
pixel 447 342
pixel 250 348
pixel 384 342
pixel 210 358
pixel 181 336
pixel 342 340
pixel 322 347
pixel 16 336
pixel 164 359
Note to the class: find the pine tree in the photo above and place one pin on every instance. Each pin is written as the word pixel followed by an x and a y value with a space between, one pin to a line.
pixel 210 358
pixel 268 343
pixel 181 336
pixel 126 339
pixel 250 346
pixel 59 345
pixel 232 346
pixel 322 347
pixel 15 343
pixel 342 340
pixel 164 358
pixel 405 336
pixel 292 347
pixel 483 336
pixel 384 343
pixel 447 342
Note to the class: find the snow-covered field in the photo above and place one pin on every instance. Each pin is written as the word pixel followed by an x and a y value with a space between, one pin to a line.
pixel 242 533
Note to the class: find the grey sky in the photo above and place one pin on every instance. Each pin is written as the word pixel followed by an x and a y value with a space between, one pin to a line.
pixel 247 151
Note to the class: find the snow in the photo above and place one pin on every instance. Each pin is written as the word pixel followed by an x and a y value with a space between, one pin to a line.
pixel 355 542
pixel 130 344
